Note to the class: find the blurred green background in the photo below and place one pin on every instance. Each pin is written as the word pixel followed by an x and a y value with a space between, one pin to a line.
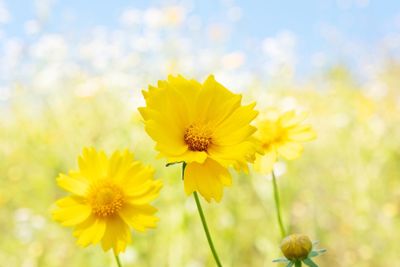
pixel 65 87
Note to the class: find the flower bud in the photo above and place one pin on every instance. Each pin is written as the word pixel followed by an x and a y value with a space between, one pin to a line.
pixel 296 247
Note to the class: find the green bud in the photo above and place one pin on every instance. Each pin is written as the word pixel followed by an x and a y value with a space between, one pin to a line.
pixel 296 247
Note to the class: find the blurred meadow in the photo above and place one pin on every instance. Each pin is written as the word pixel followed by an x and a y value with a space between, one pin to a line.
pixel 71 75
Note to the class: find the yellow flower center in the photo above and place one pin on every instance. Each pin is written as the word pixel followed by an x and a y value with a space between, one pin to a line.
pixel 106 199
pixel 198 137
pixel 273 133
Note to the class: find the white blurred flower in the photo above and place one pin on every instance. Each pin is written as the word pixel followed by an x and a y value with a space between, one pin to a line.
pixel 174 15
pixel 130 255
pixel 289 103
pixel 4 94
pixel 153 17
pixel 194 23
pixel 233 60
pixel 280 52
pixel 280 168
pixel 234 13
pixel 319 59
pixel 5 15
pixel 88 88
pixel 12 54
pixel 50 47
pixel 347 4
pixel 217 32
pixel 130 17
pixel 43 8
pixel 32 27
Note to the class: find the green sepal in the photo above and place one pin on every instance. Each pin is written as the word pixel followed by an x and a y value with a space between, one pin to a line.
pixel 313 254
pixel 290 264
pixel 309 262
pixel 183 170
pixel 173 163
pixel 281 260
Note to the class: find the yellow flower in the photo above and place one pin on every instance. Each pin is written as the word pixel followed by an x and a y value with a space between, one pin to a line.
pixel 108 195
pixel 281 134
pixel 205 126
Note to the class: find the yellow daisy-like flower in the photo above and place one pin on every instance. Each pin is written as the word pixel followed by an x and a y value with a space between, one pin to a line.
pixel 108 196
pixel 205 126
pixel 281 134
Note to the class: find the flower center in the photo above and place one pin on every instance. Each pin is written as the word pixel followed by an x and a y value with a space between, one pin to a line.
pixel 272 134
pixel 105 199
pixel 197 137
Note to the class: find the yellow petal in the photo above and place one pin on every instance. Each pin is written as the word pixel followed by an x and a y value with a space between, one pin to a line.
pixel 116 236
pixel 132 175
pixel 70 211
pixel 240 118
pixel 235 155
pixel 188 91
pixel 145 194
pixel 140 217
pixel 93 165
pixel 302 134
pixel 234 137
pixel 291 118
pixel 215 102
pixel 169 138
pixel 208 179
pixel 90 232
pixel 120 164
pixel 290 150
pixel 73 185
pixel 190 156
pixel 264 163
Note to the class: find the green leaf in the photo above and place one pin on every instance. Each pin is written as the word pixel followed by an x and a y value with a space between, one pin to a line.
pixel 309 262
pixel 321 251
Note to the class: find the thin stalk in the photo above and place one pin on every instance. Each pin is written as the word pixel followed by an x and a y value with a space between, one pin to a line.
pixel 117 260
pixel 204 222
pixel 278 205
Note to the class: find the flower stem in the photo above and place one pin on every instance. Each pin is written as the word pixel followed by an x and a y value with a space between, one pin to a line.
pixel 203 220
pixel 278 205
pixel 117 260
pixel 298 264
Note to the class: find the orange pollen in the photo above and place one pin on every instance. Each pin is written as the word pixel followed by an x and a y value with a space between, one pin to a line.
pixel 106 199
pixel 198 138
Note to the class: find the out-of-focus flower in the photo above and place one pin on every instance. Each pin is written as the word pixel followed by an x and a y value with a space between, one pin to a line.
pixel 203 125
pixel 281 134
pixel 109 195
pixel 298 249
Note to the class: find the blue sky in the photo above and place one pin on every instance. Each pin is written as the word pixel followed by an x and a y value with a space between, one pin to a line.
pixel 365 19
pixel 365 22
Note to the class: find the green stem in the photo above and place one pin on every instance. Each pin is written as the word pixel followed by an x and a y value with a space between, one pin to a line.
pixel 117 260
pixel 298 264
pixel 203 220
pixel 278 205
